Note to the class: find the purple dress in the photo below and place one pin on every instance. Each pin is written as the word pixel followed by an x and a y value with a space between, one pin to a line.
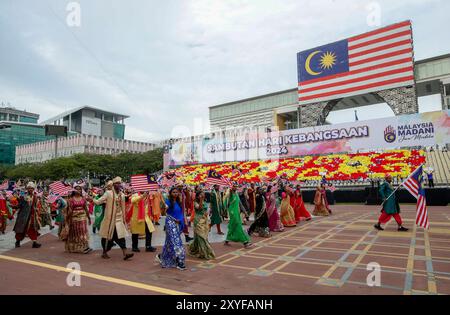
pixel 275 224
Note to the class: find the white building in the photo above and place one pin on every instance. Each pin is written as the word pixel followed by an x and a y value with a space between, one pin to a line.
pixel 81 143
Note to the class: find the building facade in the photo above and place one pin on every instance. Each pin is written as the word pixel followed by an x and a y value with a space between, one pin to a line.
pixel 80 143
pixel 15 115
pixel 91 121
pixel 13 134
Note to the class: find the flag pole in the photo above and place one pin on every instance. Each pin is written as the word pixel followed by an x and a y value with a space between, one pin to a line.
pixel 402 184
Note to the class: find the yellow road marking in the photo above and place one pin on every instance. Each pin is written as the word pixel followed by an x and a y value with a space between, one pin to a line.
pixel 96 276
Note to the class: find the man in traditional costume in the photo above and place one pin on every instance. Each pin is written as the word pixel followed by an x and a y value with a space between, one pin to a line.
pixel 113 228
pixel 27 222
pixel 391 207
pixel 140 218
pixel 216 208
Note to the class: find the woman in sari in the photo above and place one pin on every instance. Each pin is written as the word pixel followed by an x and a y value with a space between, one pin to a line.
pixel 261 223
pixel 173 253
pixel 275 224
pixel 45 211
pixel 321 207
pixel 200 247
pixel 235 231
pixel 157 199
pixel 299 206
pixel 77 218
pixel 287 213
pixel 98 212
pixel 60 207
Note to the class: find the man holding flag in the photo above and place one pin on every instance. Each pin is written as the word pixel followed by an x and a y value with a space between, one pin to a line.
pixel 391 207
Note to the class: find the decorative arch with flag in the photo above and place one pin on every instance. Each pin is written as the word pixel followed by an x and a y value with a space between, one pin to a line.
pixel 378 60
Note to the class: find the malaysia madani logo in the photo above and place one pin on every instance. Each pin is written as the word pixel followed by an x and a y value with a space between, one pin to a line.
pixel 389 134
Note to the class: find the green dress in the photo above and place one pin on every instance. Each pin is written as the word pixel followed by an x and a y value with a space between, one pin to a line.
pixel 98 214
pixel 235 231
pixel 391 205
pixel 216 208
pixel 200 246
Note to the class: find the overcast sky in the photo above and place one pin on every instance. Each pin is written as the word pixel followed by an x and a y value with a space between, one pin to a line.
pixel 165 62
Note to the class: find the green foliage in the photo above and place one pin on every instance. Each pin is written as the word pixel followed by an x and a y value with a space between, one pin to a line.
pixel 78 166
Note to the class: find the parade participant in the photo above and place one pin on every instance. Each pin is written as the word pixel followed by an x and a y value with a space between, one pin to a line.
pixel 27 222
pixel 299 206
pixel 98 212
pixel 275 224
pixel 200 247
pixel 261 223
pixel 60 207
pixel 173 253
pixel 157 202
pixel 76 220
pixel 391 207
pixel 244 206
pixel 287 213
pixel 321 207
pixel 192 210
pixel 140 218
pixel 216 208
pixel 183 197
pixel 112 228
pixel 45 211
pixel 251 197
pixel 235 231
pixel 4 212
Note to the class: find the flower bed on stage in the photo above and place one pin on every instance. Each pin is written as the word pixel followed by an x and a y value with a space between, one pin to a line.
pixel 342 167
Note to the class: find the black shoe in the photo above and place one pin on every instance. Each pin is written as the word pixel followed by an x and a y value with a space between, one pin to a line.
pixel 127 256
pixel 378 227
pixel 157 223
pixel 181 267
pixel 150 249
pixel 136 250
pixel 36 245
pixel 188 239
pixel 17 244
pixel 402 229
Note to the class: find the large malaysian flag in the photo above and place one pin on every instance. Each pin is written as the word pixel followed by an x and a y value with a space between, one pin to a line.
pixel 379 60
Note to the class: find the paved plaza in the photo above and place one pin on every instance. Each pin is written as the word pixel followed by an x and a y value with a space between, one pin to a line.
pixel 324 256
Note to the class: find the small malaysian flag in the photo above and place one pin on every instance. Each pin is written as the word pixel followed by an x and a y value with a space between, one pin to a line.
pixel 414 184
pixel 60 188
pixel 52 198
pixel 4 185
pixel 168 179
pixel 215 178
pixel 144 183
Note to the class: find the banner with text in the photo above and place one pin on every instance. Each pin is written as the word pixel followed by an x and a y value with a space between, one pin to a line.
pixel 427 129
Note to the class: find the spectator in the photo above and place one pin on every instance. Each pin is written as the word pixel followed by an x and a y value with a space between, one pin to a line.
pixel 430 172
